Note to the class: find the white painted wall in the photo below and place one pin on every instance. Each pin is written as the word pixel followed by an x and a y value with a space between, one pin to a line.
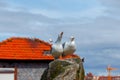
pixel 6 76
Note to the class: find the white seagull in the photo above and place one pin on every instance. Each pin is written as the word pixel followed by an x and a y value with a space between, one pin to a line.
pixel 69 47
pixel 57 48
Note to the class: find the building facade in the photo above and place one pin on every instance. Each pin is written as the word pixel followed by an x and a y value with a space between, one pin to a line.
pixel 106 78
pixel 24 58
pixel 90 76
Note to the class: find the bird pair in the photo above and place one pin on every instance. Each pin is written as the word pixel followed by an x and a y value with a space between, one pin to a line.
pixel 60 49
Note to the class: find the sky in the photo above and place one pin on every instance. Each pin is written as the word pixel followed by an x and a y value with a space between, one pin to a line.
pixel 95 24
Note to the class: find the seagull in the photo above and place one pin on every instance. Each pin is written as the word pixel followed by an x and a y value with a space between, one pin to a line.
pixel 57 48
pixel 50 41
pixel 69 47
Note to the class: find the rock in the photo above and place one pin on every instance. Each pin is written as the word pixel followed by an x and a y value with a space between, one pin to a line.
pixel 68 69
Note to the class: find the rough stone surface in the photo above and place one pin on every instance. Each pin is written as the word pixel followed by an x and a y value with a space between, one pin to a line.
pixel 68 69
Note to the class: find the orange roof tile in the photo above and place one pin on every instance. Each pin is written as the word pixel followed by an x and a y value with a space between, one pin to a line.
pixel 17 48
pixel 70 56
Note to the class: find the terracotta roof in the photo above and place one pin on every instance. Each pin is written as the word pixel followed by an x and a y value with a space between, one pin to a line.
pixel 18 48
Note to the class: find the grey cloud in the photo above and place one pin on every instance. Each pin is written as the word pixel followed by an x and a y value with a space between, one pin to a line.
pixel 112 6
pixel 111 3
pixel 19 21
pixel 25 22
pixel 3 4
pixel 98 61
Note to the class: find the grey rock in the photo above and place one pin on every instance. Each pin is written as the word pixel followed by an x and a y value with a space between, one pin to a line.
pixel 68 69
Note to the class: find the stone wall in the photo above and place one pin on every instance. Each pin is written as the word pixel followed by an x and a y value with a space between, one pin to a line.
pixel 27 70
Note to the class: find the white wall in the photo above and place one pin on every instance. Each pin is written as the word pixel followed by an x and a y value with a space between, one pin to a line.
pixel 6 76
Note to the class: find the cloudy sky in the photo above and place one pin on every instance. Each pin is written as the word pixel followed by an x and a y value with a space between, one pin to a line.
pixel 94 23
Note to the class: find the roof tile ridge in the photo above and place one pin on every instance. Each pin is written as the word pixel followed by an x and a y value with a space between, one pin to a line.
pixel 39 40
pixel 24 38
pixel 11 39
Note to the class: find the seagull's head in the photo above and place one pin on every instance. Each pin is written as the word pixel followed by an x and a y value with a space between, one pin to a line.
pixel 50 40
pixel 60 35
pixel 72 38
